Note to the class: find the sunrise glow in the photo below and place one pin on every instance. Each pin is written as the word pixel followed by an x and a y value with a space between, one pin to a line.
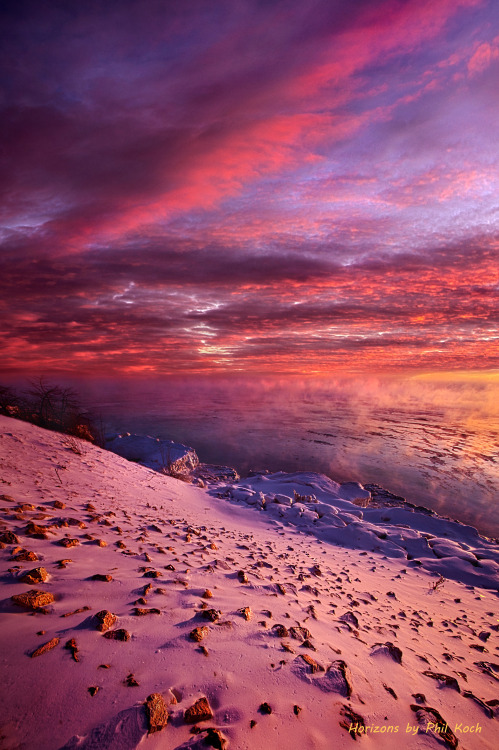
pixel 238 186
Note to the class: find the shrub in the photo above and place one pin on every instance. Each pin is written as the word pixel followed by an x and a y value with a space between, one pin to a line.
pixel 51 406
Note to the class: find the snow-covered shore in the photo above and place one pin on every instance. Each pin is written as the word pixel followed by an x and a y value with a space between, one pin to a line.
pixel 329 511
pixel 342 514
pixel 309 624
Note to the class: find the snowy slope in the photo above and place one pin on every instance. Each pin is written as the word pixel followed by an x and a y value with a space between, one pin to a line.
pixel 336 641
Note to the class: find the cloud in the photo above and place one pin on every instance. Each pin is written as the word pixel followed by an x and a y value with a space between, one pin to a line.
pixel 189 184
pixel 484 55
pixel 211 307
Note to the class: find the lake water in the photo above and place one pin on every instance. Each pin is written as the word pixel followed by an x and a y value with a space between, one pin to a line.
pixel 434 441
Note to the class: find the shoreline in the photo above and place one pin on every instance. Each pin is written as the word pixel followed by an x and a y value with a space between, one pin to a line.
pixel 152 452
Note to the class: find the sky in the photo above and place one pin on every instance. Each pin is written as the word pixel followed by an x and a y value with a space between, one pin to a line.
pixel 249 186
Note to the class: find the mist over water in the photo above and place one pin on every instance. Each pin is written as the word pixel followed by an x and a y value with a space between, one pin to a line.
pixel 434 441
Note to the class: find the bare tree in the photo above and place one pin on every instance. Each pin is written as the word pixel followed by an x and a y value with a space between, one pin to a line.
pixel 51 406
pixel 58 408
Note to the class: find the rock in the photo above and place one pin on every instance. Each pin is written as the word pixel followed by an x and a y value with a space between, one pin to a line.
pixel 63 563
pixel 339 678
pixel 264 708
pixel 75 611
pixel 46 647
pixel 39 532
pixel 200 711
pixel 198 634
pixel 242 576
pixel 390 690
pixel 24 555
pixel 59 505
pixel 65 522
pixel 118 635
pixel 101 577
pixel 130 681
pixel 308 644
pixel 487 706
pixel 314 666
pixel 354 723
pixel 245 612
pixel 207 594
pixel 33 599
pixel 93 690
pixel 152 574
pixel 419 697
pixel 446 679
pixel 37 575
pixel 297 710
pixel 350 618
pixel 311 611
pixel 336 678
pixel 300 633
pixel 214 738
pixel 432 722
pixel 281 631
pixel 156 713
pixel 138 611
pixel 71 646
pixel 8 537
pixel 211 614
pixel 67 542
pixel 388 649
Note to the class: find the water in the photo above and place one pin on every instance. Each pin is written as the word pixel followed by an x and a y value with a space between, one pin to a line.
pixel 436 442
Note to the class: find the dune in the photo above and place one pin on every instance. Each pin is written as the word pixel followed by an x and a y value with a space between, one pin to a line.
pixel 269 613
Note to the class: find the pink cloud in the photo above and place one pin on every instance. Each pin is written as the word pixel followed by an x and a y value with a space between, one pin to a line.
pixel 484 55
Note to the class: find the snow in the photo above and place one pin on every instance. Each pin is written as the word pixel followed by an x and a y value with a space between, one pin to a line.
pixel 397 532
pixel 336 573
